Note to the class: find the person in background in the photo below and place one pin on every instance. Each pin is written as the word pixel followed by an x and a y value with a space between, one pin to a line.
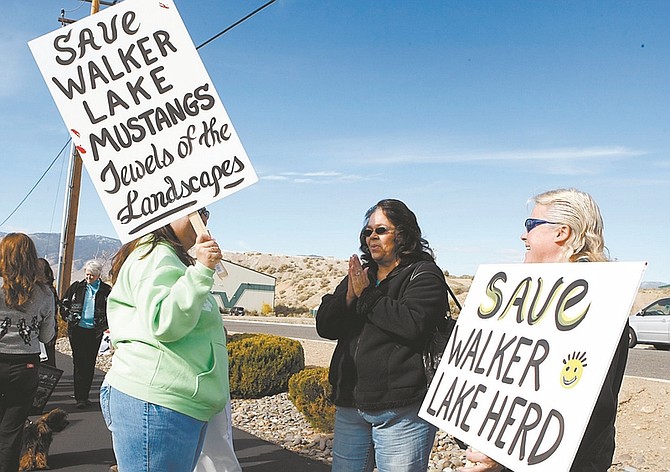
pixel 84 307
pixel 382 314
pixel 45 276
pixel 566 226
pixel 26 318
pixel 169 373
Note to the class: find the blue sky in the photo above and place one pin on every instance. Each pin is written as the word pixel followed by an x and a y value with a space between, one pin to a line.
pixel 462 109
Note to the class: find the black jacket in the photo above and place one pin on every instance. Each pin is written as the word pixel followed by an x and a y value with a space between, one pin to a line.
pixel 597 447
pixel 378 361
pixel 72 305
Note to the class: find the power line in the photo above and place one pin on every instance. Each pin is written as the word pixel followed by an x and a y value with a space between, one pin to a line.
pixel 37 183
pixel 236 23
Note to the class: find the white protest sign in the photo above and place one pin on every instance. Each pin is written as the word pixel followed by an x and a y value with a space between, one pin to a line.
pixel 143 113
pixel 527 359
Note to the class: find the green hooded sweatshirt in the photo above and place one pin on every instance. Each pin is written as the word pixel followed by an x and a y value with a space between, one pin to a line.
pixel 167 332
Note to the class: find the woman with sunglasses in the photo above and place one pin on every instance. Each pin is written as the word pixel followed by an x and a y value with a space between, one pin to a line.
pixel 381 315
pixel 566 226
pixel 169 374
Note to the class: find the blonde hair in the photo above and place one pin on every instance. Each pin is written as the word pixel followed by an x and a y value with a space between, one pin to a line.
pixel 580 212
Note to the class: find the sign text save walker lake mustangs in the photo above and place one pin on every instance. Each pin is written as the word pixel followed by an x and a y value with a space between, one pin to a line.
pixel 143 113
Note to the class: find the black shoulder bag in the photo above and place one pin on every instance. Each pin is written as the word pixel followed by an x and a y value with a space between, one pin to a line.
pixel 437 343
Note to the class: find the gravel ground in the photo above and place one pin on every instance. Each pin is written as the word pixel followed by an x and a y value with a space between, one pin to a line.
pixel 275 419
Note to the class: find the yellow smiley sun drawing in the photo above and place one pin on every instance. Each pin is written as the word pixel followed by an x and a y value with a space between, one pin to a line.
pixel 574 367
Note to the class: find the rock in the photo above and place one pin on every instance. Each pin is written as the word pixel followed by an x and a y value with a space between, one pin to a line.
pixel 276 420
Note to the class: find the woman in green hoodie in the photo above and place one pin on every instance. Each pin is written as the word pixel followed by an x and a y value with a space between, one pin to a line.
pixel 169 374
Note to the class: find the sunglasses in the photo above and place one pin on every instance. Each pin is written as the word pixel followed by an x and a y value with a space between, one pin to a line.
pixel 204 212
pixel 380 230
pixel 532 223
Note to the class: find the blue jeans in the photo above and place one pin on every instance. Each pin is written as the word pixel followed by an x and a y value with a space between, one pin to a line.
pixel 148 437
pixel 396 440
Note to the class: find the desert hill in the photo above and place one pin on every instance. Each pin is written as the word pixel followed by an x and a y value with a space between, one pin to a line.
pixel 303 280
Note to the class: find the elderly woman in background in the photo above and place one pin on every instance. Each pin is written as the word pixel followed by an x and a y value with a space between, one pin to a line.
pixel 84 307
pixel 566 226
pixel 381 315
pixel 26 318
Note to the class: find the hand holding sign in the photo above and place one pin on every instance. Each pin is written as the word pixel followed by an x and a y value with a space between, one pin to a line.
pixel 476 461
pixel 206 249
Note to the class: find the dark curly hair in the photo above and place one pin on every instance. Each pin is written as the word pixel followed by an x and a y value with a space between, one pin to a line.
pixel 409 245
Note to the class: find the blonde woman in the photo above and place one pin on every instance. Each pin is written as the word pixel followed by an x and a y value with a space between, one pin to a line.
pixel 566 226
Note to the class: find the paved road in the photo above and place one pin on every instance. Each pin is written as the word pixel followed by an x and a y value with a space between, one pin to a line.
pixel 286 329
pixel 643 361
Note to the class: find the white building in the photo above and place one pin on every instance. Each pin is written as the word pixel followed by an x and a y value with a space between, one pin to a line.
pixel 244 287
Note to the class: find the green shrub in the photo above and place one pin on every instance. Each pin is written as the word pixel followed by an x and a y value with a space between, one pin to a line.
pixel 309 391
pixel 231 338
pixel 261 365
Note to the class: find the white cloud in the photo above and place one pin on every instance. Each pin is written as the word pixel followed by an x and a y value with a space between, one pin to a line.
pixel 321 177
pixel 552 154
pixel 274 177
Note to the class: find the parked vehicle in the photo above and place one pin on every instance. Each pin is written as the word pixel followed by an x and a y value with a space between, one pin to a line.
pixel 237 311
pixel 651 325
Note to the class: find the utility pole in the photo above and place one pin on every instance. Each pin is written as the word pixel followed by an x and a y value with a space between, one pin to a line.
pixel 66 253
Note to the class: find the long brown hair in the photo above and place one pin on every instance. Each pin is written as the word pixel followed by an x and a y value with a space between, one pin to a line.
pixel 18 266
pixel 164 235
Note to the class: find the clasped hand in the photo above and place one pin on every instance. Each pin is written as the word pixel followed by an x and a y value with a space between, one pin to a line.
pixel 358 279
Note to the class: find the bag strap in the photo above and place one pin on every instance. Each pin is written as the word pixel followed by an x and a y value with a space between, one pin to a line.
pixel 451 292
